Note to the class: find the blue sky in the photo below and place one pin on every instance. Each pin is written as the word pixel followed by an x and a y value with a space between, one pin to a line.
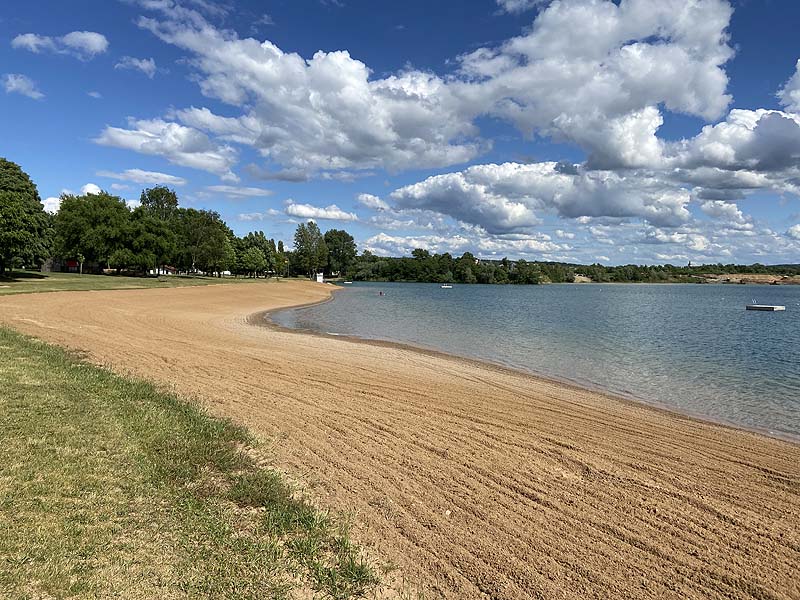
pixel 644 131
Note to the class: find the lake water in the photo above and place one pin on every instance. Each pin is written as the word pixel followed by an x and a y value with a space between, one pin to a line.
pixel 693 348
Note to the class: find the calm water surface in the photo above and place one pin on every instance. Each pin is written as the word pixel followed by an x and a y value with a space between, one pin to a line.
pixel 693 348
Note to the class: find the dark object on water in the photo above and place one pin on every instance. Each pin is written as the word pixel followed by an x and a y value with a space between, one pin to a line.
pixel 764 307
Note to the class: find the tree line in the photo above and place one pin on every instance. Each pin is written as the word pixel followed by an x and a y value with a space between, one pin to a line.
pixel 157 236
pixel 102 233
pixel 444 268
pixel 423 266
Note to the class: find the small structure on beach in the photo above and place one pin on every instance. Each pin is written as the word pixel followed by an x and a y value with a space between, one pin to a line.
pixel 320 277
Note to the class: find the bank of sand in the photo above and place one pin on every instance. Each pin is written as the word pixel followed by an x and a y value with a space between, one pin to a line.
pixel 478 482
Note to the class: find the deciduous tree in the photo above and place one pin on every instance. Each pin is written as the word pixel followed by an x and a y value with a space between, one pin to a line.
pixel 24 226
pixel 310 249
pixel 342 250
pixel 160 202
pixel 92 225
pixel 253 262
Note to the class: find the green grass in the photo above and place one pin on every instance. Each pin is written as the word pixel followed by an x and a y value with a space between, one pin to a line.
pixel 26 282
pixel 110 487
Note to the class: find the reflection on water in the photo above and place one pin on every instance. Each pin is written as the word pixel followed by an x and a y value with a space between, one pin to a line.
pixel 689 347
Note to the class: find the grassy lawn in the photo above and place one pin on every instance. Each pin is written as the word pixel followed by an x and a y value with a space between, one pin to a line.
pixel 25 282
pixel 110 487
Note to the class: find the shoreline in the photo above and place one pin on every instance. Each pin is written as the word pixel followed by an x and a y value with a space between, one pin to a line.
pixel 473 479
pixel 581 283
pixel 264 319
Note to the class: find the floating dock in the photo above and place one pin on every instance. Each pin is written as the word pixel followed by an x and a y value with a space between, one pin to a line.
pixel 766 307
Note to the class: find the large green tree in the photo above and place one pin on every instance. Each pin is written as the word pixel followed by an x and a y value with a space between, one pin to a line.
pixel 281 259
pixel 465 268
pixel 151 240
pixel 159 202
pixel 92 226
pixel 342 250
pixel 311 252
pixel 252 262
pixel 204 241
pixel 248 248
pixel 24 226
pixel 259 241
pixel 526 273
pixel 217 253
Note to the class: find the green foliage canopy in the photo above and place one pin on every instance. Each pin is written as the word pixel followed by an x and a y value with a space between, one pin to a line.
pixel 342 250
pixel 95 226
pixel 310 252
pixel 203 241
pixel 160 202
pixel 253 261
pixel 25 229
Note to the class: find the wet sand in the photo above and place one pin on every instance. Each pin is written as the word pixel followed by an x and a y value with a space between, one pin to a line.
pixel 477 482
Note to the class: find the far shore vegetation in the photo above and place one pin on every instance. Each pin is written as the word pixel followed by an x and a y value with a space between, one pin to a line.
pixel 113 488
pixel 423 266
pixel 101 234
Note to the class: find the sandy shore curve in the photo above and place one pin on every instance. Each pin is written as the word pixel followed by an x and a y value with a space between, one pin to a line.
pixel 478 482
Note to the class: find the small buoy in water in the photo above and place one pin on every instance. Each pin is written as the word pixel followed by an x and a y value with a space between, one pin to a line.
pixel 380 293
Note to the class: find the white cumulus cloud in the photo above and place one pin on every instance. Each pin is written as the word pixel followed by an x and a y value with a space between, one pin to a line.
pixel 505 198
pixel 728 212
pixel 372 202
pixel 518 6
pixel 324 112
pixel 458 242
pixel 16 83
pixel 84 45
pixel 181 145
pixel 789 94
pixel 593 72
pixel 145 65
pixel 52 204
pixel 90 188
pixel 747 140
pixel 307 211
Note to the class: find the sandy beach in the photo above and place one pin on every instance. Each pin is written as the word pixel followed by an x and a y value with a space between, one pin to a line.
pixel 477 482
